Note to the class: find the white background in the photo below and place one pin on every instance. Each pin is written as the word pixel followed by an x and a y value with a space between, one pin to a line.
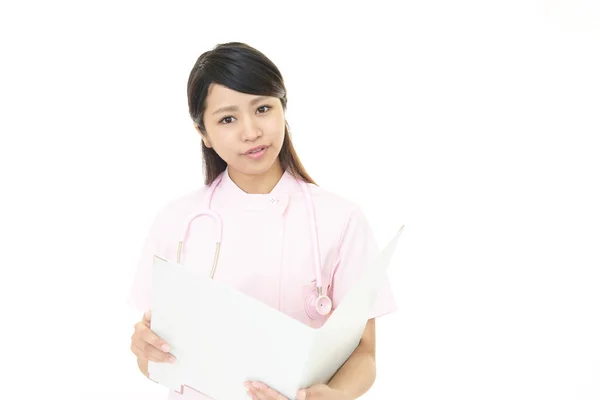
pixel 474 123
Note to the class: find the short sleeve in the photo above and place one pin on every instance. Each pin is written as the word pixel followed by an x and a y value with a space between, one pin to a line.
pixel 358 250
pixel 140 296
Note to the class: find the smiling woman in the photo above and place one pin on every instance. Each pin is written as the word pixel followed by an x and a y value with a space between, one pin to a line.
pixel 308 245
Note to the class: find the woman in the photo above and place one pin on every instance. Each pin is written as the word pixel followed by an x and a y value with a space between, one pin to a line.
pixel 237 102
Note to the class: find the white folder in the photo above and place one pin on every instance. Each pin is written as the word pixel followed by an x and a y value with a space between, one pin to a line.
pixel 223 338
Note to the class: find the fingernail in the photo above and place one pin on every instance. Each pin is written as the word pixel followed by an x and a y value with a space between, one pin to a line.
pixel 165 347
pixel 248 388
pixel 301 395
pixel 172 360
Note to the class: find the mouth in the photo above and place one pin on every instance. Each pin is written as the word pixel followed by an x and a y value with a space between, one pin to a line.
pixel 256 152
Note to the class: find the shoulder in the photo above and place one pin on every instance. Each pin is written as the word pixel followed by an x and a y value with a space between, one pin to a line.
pixel 336 208
pixel 346 223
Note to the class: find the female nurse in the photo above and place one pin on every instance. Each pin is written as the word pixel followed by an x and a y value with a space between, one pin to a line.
pixel 237 101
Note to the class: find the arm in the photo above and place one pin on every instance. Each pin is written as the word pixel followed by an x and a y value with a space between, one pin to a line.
pixel 357 375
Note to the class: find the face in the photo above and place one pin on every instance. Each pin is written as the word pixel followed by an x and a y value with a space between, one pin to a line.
pixel 245 130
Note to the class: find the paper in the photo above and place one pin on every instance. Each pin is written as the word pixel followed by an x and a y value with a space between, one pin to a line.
pixel 248 340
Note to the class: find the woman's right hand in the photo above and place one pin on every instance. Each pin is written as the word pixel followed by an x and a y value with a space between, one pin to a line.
pixel 147 346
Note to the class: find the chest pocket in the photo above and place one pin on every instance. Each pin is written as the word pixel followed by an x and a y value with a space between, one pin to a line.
pixel 298 276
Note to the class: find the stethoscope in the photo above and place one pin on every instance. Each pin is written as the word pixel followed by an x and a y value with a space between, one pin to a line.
pixel 317 304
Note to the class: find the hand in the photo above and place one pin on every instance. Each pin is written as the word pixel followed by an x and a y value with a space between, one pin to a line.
pixel 147 346
pixel 260 391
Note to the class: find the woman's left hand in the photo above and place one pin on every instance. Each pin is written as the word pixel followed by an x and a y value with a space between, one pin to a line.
pixel 260 391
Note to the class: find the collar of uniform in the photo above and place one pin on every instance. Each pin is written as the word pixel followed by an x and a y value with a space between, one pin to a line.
pixel 230 196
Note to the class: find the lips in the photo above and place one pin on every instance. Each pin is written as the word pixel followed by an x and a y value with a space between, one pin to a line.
pixel 255 149
pixel 256 153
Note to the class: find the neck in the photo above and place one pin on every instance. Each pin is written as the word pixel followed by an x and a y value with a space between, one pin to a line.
pixel 257 184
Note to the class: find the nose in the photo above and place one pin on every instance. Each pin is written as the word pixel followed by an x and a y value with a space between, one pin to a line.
pixel 250 130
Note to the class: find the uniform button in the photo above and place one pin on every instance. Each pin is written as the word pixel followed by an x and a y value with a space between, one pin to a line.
pixel 274 201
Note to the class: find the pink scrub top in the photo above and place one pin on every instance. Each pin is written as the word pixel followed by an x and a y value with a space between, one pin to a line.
pixel 266 250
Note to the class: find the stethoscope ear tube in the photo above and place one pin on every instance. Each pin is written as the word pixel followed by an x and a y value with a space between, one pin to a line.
pixel 215 260
pixel 215 257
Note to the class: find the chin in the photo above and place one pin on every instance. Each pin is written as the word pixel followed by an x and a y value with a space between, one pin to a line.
pixel 258 167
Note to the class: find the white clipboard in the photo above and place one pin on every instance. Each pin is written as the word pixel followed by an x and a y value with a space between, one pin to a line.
pixel 248 340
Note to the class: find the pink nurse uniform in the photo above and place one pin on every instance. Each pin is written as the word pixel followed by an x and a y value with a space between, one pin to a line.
pixel 266 248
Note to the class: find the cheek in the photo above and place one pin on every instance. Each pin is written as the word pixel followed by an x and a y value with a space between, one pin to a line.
pixel 222 145
pixel 275 129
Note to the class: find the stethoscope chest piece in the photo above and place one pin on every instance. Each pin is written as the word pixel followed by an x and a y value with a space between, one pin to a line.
pixel 318 305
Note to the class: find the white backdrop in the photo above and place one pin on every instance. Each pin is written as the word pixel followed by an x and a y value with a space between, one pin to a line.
pixel 474 123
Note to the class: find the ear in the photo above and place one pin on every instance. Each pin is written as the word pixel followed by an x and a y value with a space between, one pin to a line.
pixel 203 136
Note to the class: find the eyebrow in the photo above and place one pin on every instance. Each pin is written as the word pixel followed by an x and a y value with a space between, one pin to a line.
pixel 235 108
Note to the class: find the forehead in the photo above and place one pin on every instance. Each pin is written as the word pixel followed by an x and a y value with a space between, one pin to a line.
pixel 220 96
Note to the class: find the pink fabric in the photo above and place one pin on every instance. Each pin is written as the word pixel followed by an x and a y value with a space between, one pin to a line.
pixel 266 249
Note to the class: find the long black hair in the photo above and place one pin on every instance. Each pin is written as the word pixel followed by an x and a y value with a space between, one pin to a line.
pixel 242 68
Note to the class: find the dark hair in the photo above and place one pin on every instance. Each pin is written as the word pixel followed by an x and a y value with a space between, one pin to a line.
pixel 243 69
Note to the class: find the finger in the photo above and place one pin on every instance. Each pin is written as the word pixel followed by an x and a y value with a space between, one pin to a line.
pixel 264 392
pixel 148 336
pixel 258 394
pixel 139 351
pixel 154 354
pixel 250 390
pixel 146 342
pixel 147 316
pixel 254 391
pixel 151 353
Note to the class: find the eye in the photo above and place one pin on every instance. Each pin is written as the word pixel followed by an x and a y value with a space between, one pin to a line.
pixel 226 120
pixel 264 109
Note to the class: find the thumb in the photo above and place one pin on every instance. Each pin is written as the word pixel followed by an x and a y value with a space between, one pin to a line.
pixel 311 393
pixel 148 316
